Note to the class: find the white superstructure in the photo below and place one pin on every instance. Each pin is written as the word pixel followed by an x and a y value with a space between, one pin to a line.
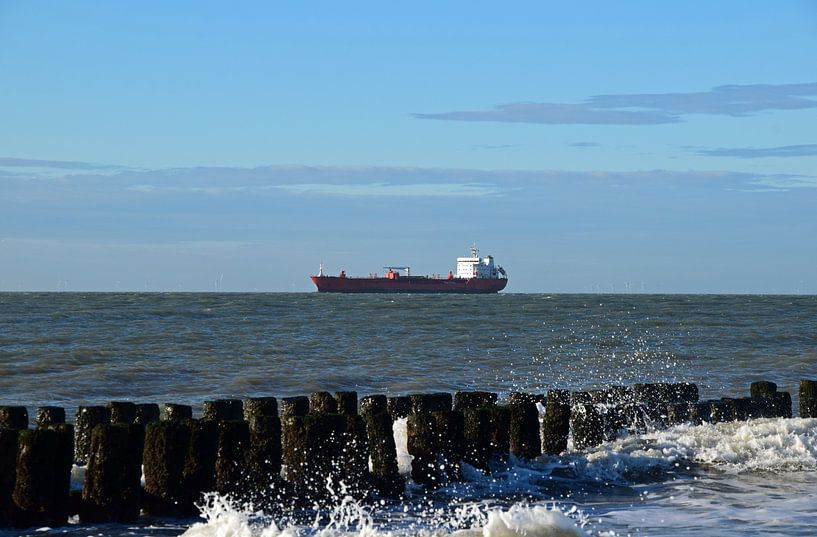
pixel 477 267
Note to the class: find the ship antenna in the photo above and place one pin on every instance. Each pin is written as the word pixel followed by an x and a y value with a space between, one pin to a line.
pixel 474 250
pixel 320 269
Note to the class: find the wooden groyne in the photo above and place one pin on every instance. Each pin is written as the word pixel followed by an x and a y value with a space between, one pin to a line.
pixel 298 450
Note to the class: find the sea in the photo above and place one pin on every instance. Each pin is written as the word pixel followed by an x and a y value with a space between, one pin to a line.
pixel 728 479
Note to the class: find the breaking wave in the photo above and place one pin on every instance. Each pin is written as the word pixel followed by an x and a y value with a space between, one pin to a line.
pixel 351 519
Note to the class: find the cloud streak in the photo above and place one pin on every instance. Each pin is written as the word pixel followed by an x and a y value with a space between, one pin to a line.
pixel 12 162
pixel 803 150
pixel 647 108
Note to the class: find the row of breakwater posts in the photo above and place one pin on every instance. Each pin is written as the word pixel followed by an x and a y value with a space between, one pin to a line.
pixel 308 448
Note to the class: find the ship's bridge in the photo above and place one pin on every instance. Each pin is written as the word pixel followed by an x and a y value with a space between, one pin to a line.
pixel 476 266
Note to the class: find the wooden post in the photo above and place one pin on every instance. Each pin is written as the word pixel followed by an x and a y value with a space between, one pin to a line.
pixel 463 400
pixel 763 388
pixel 294 406
pixel 37 493
pixel 122 411
pixel 175 412
pixel 500 431
pixel 556 424
pixel 13 417
pixel 260 406
pixel 354 452
pixel 399 407
pixel 524 426
pixel 477 436
pixel 87 418
pixel 385 476
pixel 373 404
pixel 808 398
pixel 430 402
pixel 8 474
pixel 322 403
pixel 48 415
pixel 223 410
pixel 167 444
pixel 233 443
pixel 146 413
pixel 200 465
pixel 347 402
pixel 586 422
pixel 112 488
pixel 422 443
pixel 450 425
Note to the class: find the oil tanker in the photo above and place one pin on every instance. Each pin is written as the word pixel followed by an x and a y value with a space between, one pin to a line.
pixel 475 275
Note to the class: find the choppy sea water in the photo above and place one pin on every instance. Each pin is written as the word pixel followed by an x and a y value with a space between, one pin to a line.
pixel 741 479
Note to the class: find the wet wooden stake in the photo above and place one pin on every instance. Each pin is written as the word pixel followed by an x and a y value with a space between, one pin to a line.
pixel 146 413
pixel 87 418
pixel 586 421
pixel 48 415
pixel 294 406
pixel 8 474
pixel 422 443
pixel 430 402
pixel 477 436
pixel 122 411
pixel 524 426
pixel 556 423
pixel 223 410
pixel 36 494
pixel 167 444
pixel 373 404
pixel 200 464
pixel 13 417
pixel 808 398
pixel 324 433
pixel 763 388
pixel 347 402
pixel 260 406
pixel 500 431
pixel 385 475
pixel 264 452
pixel 293 440
pixel 463 400
pixel 450 425
pixel 64 464
pixel 781 405
pixel 399 407
pixel 112 489
pixel 354 455
pixel 322 403
pixel 176 412
pixel 230 470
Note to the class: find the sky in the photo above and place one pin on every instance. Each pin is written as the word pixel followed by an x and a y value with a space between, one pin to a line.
pixel 588 146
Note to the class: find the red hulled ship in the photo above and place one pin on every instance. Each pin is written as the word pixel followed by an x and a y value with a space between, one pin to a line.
pixel 475 274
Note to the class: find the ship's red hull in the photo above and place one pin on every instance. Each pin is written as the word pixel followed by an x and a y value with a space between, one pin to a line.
pixel 408 284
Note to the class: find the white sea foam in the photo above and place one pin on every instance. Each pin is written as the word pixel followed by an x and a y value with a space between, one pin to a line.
pixel 351 519
pixel 401 443
pixel 757 445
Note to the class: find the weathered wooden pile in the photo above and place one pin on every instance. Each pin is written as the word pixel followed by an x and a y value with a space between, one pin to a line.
pixel 314 447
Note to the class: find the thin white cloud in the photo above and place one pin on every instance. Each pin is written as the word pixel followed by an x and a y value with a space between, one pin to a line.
pixel 785 182
pixel 646 108
pixel 444 190
pixel 786 151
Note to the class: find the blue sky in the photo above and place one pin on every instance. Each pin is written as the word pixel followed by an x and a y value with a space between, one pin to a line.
pixel 600 146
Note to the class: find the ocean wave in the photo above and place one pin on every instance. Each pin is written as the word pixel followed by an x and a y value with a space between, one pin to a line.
pixel 350 519
pixel 774 444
